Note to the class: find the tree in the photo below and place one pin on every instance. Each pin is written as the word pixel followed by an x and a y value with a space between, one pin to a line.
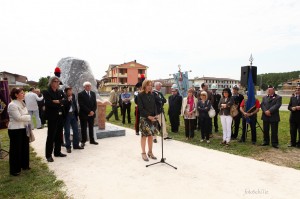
pixel 275 79
pixel 43 83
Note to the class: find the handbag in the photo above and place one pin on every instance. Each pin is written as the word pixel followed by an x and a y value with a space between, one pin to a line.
pixel 234 110
pixel 30 133
pixel 211 112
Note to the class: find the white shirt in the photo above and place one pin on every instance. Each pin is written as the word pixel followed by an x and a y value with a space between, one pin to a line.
pixel 31 99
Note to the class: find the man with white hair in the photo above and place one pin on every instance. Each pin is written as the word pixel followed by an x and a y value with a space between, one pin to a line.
pixel 87 112
pixel 160 100
pixel 175 103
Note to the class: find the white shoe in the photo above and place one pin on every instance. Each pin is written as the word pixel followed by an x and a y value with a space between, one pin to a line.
pixel 207 141
pixel 201 140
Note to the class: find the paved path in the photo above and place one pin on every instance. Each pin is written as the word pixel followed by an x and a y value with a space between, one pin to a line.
pixel 115 169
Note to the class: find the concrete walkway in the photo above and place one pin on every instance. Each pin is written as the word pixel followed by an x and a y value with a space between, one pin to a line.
pixel 115 169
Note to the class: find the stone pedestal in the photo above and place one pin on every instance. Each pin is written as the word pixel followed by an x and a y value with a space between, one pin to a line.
pixel 101 113
pixel 110 131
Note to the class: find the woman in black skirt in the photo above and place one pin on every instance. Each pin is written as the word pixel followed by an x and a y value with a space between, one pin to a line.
pixel 148 120
pixel 19 141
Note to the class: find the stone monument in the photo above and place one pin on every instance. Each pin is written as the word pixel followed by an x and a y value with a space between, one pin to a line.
pixel 74 72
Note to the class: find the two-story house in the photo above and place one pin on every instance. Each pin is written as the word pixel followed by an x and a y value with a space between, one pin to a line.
pixel 127 74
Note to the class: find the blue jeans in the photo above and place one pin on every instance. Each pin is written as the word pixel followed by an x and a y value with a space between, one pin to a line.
pixel 71 120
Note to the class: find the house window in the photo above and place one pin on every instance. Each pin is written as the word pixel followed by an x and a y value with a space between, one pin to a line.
pixel 140 71
pixel 123 71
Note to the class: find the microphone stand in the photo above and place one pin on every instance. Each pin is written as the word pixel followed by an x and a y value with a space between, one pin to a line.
pixel 162 160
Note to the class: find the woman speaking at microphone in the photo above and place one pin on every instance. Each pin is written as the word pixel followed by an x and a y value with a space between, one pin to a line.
pixel 148 121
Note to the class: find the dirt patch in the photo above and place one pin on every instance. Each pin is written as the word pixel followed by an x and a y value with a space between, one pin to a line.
pixel 288 158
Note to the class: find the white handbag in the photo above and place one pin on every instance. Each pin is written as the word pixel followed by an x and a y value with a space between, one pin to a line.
pixel 211 112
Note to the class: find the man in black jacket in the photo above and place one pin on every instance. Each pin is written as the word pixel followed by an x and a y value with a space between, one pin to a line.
pixel 294 107
pixel 55 102
pixel 87 112
pixel 175 103
pixel 71 121
pixel 215 105
pixel 270 115
pixel 238 98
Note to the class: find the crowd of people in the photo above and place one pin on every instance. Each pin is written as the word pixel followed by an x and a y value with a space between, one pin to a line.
pixel 60 110
pixel 229 106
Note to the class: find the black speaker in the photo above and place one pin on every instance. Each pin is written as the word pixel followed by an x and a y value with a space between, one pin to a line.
pixel 245 74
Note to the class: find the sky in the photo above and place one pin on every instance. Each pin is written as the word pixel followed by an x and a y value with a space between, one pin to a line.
pixel 212 38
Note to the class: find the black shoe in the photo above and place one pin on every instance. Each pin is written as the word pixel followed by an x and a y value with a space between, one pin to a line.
pixel 137 133
pixel 291 145
pixel 155 140
pixel 60 155
pixel 63 144
pixel 15 174
pixel 265 144
pixel 95 143
pixel 50 159
pixel 78 147
pixel 168 138
pixel 107 118
pixel 69 150
pixel 40 127
pixel 82 144
pixel 254 143
pixel 275 146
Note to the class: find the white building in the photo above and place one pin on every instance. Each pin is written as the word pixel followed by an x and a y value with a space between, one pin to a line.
pixel 220 82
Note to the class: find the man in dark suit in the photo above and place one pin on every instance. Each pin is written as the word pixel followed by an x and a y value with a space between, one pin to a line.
pixel 270 115
pixel 87 112
pixel 55 102
pixel 71 121
pixel 294 107
pixel 175 103
pixel 237 98
pixel 215 105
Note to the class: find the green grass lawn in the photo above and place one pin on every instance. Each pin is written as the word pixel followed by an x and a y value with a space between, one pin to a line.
pixel 243 149
pixel 39 182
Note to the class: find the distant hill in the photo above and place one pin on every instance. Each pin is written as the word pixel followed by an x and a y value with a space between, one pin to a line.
pixel 275 79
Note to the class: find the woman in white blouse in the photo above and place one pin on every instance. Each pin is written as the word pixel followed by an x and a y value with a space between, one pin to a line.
pixel 189 113
pixel 19 141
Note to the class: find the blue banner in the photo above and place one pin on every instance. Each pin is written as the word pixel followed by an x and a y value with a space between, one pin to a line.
pixel 251 93
pixel 182 82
